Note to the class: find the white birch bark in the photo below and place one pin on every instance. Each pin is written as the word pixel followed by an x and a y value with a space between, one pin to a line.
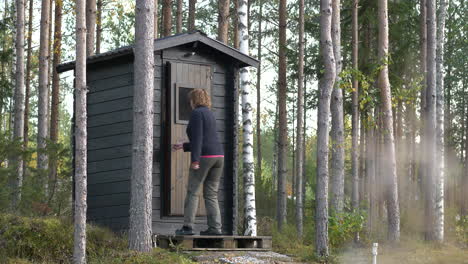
pixel 90 26
pixel 18 129
pixel 250 212
pixel 389 166
pixel 300 129
pixel 440 174
pixel 142 153
pixel 325 89
pixel 43 102
pixel 79 249
pixel 337 130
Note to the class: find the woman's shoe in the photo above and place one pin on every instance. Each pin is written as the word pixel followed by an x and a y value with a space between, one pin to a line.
pixel 184 231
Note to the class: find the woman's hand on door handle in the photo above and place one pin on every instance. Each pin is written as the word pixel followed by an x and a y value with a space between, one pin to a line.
pixel 177 146
pixel 195 165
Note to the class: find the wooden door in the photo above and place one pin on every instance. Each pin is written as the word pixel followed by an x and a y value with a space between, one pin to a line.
pixel 183 78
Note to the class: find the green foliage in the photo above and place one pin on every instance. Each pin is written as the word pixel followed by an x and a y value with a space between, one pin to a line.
pixel 343 227
pixel 461 230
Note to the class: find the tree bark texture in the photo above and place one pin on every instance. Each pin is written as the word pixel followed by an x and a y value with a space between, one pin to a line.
pixel 247 128
pixel 54 116
pixel 98 26
pixel 192 12
pixel 423 61
pixel 337 130
pixel 259 85
pixel 156 16
pixel 90 26
pixel 282 116
pixel 389 166
pixel 325 89
pixel 300 127
pixel 235 19
pixel 79 249
pixel 223 20
pixel 370 174
pixel 142 154
pixel 167 17
pixel 179 16
pixel 355 109
pixel 18 129
pixel 43 102
pixel 28 81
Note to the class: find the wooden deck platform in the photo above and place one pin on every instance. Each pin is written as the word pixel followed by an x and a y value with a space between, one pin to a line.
pixel 209 243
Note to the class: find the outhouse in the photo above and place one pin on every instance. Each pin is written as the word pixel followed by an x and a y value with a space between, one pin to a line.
pixel 182 62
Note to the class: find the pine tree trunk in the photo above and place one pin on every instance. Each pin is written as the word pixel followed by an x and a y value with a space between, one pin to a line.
pixel 223 20
pixel 156 17
pixel 325 89
pixel 337 129
pixel 355 108
pixel 192 9
pixel 300 128
pixel 79 249
pixel 235 19
pixel 43 102
pixel 423 61
pixel 99 26
pixel 440 169
pixel 370 173
pixel 54 116
pixel 142 159
pixel 167 17
pixel 28 82
pixel 90 26
pixel 283 129
pixel 259 85
pixel 247 128
pixel 389 167
pixel 18 129
pixel 179 16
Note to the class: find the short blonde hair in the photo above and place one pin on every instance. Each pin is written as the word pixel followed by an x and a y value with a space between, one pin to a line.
pixel 199 97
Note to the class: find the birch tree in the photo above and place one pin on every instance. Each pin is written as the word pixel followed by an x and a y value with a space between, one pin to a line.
pixel 79 249
pixel 43 102
pixel 142 158
pixel 191 19
pixel 282 116
pixel 300 128
pixel 389 166
pixel 54 116
pixel 250 213
pixel 90 26
pixel 223 20
pixel 18 129
pixel 323 113
pixel 337 130
pixel 440 174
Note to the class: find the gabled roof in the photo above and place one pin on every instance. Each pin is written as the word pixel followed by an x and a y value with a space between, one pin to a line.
pixel 169 42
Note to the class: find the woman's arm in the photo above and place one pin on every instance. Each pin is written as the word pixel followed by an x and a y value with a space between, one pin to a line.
pixel 196 136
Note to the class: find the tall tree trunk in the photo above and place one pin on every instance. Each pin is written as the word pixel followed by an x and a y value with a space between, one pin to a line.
pixel 28 82
pixel 54 116
pixel 355 108
pixel 440 170
pixel 167 17
pixel 90 26
pixel 300 128
pixel 156 17
pixel 259 86
pixel 282 116
pixel 18 129
pixel 325 89
pixel 141 182
pixel 43 102
pixel 79 249
pixel 430 121
pixel 223 20
pixel 191 19
pixel 370 173
pixel 423 61
pixel 248 165
pixel 236 25
pixel 98 26
pixel 389 167
pixel 337 130
pixel 179 16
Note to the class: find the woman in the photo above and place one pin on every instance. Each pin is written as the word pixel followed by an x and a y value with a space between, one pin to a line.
pixel 207 161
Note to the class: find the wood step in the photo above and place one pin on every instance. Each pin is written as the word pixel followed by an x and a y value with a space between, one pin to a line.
pixel 235 243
